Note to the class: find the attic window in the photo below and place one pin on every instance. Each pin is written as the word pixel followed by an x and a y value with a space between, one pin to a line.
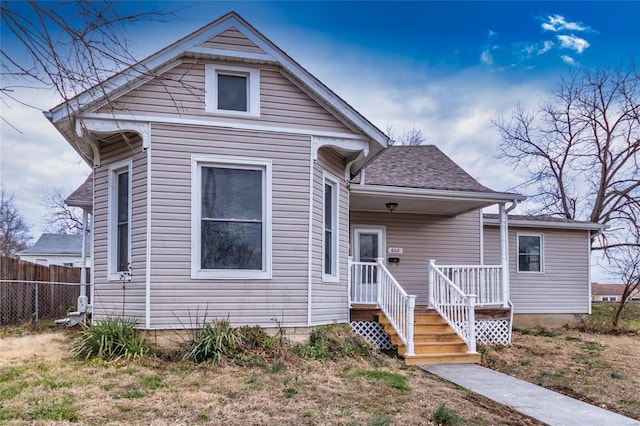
pixel 232 90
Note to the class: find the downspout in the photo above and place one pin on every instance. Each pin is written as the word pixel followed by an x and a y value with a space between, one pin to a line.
pixel 147 298
pixel 82 299
pixel 310 239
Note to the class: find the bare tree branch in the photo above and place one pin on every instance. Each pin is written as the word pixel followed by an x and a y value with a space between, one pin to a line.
pixel 60 218
pixel 14 231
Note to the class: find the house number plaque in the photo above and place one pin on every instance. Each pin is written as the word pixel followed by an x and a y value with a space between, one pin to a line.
pixel 394 250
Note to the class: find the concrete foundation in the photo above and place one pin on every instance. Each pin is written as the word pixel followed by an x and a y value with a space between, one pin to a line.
pixel 546 320
pixel 179 339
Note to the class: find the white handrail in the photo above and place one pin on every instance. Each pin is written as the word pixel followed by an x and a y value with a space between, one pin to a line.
pixel 485 281
pixel 373 283
pixel 456 307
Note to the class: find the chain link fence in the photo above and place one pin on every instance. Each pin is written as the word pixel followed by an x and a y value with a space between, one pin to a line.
pixel 33 293
pixel 23 301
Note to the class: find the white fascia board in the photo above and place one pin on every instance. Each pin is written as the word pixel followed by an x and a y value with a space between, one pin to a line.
pixel 154 61
pixel 436 194
pixel 311 82
pixel 190 43
pixel 218 122
pixel 591 226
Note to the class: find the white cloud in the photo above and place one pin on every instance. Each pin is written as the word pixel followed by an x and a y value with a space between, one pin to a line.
pixel 546 46
pixel 486 57
pixel 35 157
pixel 557 23
pixel 568 60
pixel 572 42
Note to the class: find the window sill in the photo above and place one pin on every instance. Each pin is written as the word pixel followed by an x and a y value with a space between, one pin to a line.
pixel 330 279
pixel 115 276
pixel 230 275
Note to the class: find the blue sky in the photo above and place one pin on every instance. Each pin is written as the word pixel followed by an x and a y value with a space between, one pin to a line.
pixel 447 68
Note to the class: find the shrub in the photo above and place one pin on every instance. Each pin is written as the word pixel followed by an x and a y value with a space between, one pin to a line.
pixel 111 339
pixel 446 416
pixel 333 342
pixel 212 342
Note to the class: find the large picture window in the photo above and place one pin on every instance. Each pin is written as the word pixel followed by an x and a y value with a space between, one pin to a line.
pixel 330 229
pixel 231 222
pixel 530 251
pixel 119 220
pixel 232 90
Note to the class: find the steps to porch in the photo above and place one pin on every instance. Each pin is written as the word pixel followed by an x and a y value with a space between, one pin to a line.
pixel 435 342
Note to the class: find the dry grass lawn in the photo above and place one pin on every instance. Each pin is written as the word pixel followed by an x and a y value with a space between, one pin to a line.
pixel 601 369
pixel 41 384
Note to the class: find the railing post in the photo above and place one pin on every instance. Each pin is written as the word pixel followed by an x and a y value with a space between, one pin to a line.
pixel 350 265
pixel 411 305
pixel 472 323
pixel 380 263
pixel 432 264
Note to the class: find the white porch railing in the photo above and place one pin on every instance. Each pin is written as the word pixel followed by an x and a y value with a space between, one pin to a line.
pixel 456 307
pixel 485 281
pixel 373 283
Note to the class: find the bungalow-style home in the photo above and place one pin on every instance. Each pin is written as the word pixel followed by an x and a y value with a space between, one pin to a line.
pixel 56 249
pixel 230 183
pixel 612 293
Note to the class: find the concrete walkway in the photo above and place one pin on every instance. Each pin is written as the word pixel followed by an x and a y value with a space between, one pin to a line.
pixel 531 400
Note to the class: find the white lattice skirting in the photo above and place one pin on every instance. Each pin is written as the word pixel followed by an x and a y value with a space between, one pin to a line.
pixel 493 332
pixel 373 332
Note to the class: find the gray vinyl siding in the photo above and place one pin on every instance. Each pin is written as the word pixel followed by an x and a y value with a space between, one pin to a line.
pixel 181 92
pixel 562 287
pixel 232 39
pixel 329 300
pixel 109 295
pixel 450 241
pixel 178 301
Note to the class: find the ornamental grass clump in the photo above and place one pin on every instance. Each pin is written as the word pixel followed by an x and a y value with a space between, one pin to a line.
pixel 212 342
pixel 110 339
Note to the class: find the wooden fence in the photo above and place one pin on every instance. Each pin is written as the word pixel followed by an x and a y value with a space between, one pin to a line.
pixel 31 292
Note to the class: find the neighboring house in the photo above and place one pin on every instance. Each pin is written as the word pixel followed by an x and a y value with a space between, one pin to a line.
pixel 55 249
pixel 231 183
pixel 611 293
pixel 549 260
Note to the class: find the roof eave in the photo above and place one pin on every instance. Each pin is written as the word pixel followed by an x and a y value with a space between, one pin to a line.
pixel 496 197
pixel 587 226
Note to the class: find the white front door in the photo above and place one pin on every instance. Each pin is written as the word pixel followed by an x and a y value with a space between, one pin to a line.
pixel 368 245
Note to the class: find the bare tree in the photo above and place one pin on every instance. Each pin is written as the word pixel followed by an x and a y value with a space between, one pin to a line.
pixel 14 231
pixel 626 265
pixel 414 136
pixel 60 218
pixel 581 149
pixel 68 46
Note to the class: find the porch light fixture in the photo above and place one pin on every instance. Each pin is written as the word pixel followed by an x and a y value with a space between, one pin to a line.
pixel 391 206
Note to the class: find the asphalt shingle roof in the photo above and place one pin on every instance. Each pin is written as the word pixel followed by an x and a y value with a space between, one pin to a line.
pixel 83 195
pixel 56 244
pixel 421 166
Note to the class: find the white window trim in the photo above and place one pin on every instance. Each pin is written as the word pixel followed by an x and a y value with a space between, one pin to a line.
pixel 335 273
pixel 524 234
pixel 211 89
pixel 197 162
pixel 114 170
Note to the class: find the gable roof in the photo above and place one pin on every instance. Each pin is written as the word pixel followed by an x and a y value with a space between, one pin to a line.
pixel 194 46
pixel 49 244
pixel 543 221
pixel 83 195
pixel 608 289
pixel 420 166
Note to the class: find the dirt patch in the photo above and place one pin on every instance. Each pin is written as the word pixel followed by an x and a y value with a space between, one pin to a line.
pixel 599 369
pixel 52 347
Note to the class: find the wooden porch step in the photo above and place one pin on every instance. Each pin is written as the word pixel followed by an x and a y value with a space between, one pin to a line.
pixel 443 358
pixel 435 348
pixel 434 341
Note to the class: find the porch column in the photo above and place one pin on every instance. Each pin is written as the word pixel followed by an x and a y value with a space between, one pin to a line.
pixel 504 254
